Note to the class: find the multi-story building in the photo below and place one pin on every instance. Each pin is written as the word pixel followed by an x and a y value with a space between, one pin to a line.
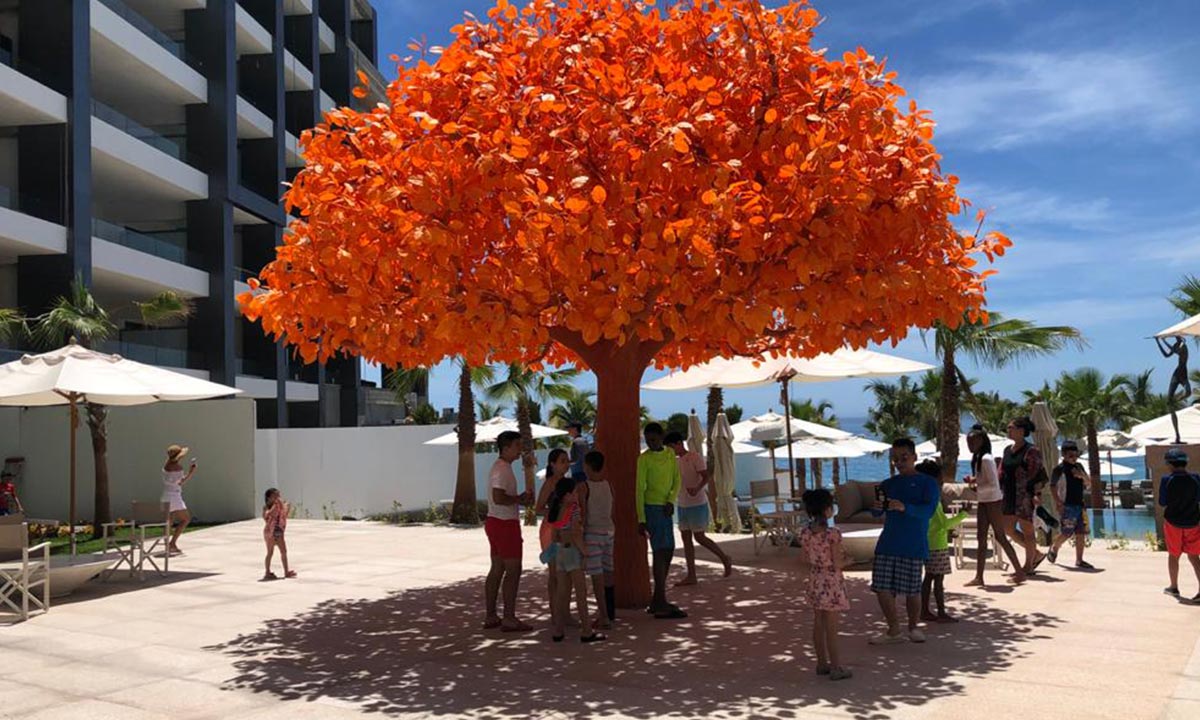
pixel 143 145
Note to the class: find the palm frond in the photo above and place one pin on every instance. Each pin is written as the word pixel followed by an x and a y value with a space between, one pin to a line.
pixel 74 315
pixel 166 307
pixel 403 381
pixel 12 324
pixel 1185 296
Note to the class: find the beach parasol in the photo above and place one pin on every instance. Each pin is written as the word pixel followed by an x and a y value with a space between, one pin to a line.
pixel 723 475
pixel 487 431
pixel 74 374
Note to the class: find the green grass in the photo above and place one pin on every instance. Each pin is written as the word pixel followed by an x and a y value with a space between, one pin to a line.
pixel 85 545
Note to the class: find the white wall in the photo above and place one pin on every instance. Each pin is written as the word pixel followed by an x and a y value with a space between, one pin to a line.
pixel 219 432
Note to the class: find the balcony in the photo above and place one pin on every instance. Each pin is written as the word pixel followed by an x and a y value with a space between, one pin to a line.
pixel 252 37
pixel 165 348
pixel 325 37
pixel 25 101
pixel 252 123
pixel 168 245
pixel 125 45
pixel 140 162
pixel 22 233
pixel 376 82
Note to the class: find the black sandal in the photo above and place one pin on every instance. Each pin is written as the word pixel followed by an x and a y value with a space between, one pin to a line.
pixel 594 637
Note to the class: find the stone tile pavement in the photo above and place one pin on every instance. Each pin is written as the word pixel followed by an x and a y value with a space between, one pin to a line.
pixel 384 620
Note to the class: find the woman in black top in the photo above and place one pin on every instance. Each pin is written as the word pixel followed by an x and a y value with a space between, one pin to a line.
pixel 1020 472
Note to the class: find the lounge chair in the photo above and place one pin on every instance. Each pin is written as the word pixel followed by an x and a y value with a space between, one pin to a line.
pixel 23 570
pixel 138 550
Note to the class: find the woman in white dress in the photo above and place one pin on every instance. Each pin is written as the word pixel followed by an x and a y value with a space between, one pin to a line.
pixel 174 479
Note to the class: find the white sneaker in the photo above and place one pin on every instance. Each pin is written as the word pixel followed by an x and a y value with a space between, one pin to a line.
pixel 888 639
pixel 916 635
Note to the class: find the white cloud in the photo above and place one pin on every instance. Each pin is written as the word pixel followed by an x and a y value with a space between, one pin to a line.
pixel 1002 100
pixel 1091 312
pixel 1007 206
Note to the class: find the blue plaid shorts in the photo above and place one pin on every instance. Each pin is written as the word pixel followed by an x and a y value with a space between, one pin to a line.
pixel 896 575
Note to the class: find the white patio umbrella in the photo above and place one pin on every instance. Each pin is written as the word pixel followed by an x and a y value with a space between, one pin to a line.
pixel 773 426
pixel 786 369
pixel 73 374
pixel 1160 429
pixel 1111 469
pixel 1191 326
pixel 487 431
pixel 745 448
pixel 723 474
pixel 1045 438
pixel 929 447
pixel 817 449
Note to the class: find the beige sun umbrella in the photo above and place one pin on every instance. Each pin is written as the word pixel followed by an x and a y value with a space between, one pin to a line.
pixel 695 438
pixel 724 476
pixel 1045 439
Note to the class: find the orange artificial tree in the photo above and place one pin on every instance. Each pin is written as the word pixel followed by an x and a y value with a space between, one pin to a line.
pixel 618 185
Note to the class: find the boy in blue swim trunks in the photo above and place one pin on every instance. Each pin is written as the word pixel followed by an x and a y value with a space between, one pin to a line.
pixel 658 482
pixel 1071 484
pixel 694 513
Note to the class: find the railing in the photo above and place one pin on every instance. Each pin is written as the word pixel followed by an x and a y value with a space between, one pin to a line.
pixel 376 82
pixel 28 204
pixel 152 354
pixel 6 57
pixel 170 44
pixel 175 146
pixel 168 245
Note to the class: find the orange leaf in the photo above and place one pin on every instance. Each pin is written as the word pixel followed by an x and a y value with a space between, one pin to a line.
pixel 771 115
pixel 576 204
pixel 599 195
pixel 680 142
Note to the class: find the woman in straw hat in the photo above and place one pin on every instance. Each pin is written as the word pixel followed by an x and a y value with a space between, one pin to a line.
pixel 173 481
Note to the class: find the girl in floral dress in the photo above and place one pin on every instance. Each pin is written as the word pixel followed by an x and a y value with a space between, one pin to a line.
pixel 822 545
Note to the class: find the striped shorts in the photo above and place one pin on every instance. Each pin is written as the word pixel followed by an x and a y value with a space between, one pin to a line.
pixel 597 553
pixel 896 575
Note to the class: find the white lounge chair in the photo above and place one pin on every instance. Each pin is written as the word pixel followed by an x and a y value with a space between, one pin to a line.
pixel 23 570
pixel 138 550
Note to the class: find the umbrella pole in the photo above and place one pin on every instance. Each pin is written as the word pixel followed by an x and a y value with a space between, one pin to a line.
pixel 787 422
pixel 1111 492
pixel 74 424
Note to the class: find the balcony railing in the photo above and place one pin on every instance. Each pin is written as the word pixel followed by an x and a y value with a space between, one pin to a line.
pixel 153 354
pixel 168 245
pixel 174 145
pixel 170 44
pixel 28 204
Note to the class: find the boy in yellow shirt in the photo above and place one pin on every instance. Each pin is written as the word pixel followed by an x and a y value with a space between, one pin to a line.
pixel 658 482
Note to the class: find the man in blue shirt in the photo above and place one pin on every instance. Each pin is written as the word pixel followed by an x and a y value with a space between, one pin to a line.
pixel 906 500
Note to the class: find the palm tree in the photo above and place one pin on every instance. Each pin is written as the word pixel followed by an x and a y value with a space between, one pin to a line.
pixel 523 387
pixel 993 412
pixel 576 406
pixel 404 381
pixel 819 413
pixel 77 315
pixel 734 413
pixel 897 409
pixel 1186 296
pixel 1087 401
pixel 996 344
pixel 487 411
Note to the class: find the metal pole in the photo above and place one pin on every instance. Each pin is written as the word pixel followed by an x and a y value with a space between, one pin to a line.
pixel 787 423
pixel 74 424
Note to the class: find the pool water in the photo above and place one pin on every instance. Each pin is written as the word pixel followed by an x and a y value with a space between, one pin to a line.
pixel 1133 524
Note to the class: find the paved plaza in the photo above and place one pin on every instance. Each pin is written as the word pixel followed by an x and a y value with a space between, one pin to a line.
pixel 384 620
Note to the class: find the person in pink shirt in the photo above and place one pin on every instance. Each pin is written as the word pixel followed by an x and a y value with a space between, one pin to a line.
pixel 694 514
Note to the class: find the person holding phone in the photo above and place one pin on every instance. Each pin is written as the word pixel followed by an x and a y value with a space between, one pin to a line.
pixel 174 478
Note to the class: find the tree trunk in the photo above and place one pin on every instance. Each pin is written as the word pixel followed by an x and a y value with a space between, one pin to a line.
pixel 836 474
pixel 97 420
pixel 801 474
pixel 1093 448
pixel 466 509
pixel 716 404
pixel 528 459
pixel 815 464
pixel 617 429
pixel 949 424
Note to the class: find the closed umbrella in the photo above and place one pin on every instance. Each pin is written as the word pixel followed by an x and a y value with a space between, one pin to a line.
pixel 695 438
pixel 488 431
pixel 723 475
pixel 1045 438
pixel 74 374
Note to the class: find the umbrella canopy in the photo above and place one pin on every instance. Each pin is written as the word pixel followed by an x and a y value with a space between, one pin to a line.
pixel 814 449
pixel 1159 429
pixel 866 445
pixel 929 447
pixel 1045 438
pixel 763 370
pixel 771 426
pixel 1119 441
pixel 745 448
pixel 73 374
pixel 1119 454
pixel 1113 469
pixel 695 438
pixel 489 430
pixel 723 474
pixel 52 378
pixel 1191 326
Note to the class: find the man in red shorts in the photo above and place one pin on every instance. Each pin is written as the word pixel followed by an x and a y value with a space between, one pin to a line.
pixel 503 528
pixel 1179 494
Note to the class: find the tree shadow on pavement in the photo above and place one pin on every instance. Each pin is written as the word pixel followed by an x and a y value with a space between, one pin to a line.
pixel 745 651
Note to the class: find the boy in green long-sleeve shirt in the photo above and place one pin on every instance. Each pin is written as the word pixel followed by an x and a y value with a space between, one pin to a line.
pixel 938 566
pixel 658 482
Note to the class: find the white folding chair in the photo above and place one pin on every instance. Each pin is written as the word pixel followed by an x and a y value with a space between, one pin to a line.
pixel 776 526
pixel 147 516
pixel 125 548
pixel 970 526
pixel 22 572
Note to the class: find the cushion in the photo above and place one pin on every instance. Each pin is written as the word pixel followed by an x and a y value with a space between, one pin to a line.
pixel 854 497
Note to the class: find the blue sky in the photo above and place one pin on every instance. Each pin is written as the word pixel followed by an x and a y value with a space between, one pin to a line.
pixel 1074 123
